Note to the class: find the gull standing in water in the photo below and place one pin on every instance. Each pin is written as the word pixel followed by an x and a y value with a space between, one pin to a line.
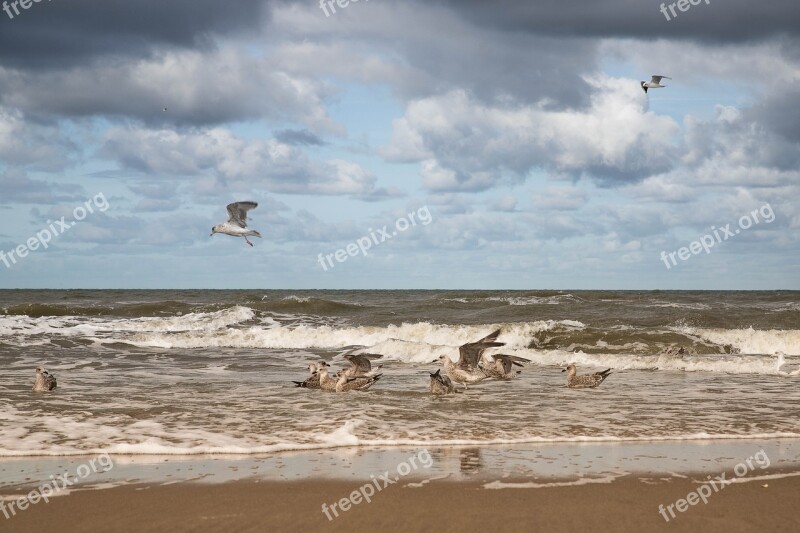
pixel 312 382
pixel 466 370
pixel 501 367
pixel 236 226
pixel 45 381
pixel 343 383
pixel 441 384
pixel 587 381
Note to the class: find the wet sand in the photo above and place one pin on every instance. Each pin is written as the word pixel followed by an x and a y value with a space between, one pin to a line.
pixel 626 504
pixel 554 487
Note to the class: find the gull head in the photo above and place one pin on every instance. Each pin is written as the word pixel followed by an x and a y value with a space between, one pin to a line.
pixel 215 229
pixel 441 358
pixel 570 369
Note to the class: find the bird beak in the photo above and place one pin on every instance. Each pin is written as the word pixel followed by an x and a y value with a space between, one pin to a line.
pixel 435 360
pixel 563 369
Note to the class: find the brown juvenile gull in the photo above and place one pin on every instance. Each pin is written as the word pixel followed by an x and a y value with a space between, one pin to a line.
pixel 501 366
pixel 587 381
pixel 466 370
pixel 236 226
pixel 312 382
pixel 343 383
pixel 441 384
pixel 45 381
pixel 360 365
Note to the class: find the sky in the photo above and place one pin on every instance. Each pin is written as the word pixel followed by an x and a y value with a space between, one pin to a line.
pixel 400 144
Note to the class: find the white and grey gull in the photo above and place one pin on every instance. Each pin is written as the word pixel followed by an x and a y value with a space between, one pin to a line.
pixel 654 83
pixel 236 226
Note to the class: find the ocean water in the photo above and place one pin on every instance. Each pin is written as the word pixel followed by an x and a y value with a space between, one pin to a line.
pixel 209 372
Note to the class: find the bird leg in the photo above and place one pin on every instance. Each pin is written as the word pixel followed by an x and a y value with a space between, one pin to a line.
pixel 248 242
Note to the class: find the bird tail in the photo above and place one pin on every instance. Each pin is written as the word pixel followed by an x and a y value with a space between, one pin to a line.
pixel 254 233
pixel 605 373
pixel 299 383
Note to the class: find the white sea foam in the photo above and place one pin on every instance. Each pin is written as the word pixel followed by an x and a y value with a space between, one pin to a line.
pixel 342 437
pixel 749 340
pixel 675 305
pixel 410 342
pixel 729 364
pixel 610 478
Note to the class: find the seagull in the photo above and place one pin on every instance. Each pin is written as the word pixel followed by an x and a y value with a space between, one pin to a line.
pixel 654 83
pixel 45 381
pixel 501 366
pixel 466 369
pixel 312 382
pixel 343 383
pixel 586 381
pixel 236 226
pixel 360 365
pixel 441 384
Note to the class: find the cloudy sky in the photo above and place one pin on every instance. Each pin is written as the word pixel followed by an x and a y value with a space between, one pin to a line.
pixel 519 126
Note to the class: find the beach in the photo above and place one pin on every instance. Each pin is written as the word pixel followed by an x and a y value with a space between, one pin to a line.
pixel 177 410
pixel 628 503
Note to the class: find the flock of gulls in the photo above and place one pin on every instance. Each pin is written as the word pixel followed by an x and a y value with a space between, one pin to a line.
pixel 473 366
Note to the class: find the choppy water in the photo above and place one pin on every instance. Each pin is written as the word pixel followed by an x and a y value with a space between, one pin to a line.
pixel 187 372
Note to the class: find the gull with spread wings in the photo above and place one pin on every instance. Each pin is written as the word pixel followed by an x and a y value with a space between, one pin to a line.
pixel 654 83
pixel 236 226
pixel 466 370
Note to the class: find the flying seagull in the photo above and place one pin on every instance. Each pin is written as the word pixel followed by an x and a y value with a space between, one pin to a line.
pixel 586 381
pixel 466 369
pixel 45 381
pixel 654 83
pixel 236 226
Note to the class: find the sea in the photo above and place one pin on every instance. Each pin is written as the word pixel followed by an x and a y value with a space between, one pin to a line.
pixel 198 372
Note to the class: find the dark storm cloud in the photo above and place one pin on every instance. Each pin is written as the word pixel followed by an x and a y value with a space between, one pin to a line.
pixel 780 113
pixel 715 21
pixel 72 32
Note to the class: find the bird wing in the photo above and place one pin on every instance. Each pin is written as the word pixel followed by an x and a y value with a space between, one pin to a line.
pixel 237 212
pixel 360 364
pixel 504 363
pixel 657 79
pixel 470 353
